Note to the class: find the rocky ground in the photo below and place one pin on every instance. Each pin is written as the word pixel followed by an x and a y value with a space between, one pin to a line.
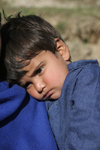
pixel 82 34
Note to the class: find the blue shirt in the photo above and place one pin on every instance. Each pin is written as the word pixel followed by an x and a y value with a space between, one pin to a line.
pixel 75 116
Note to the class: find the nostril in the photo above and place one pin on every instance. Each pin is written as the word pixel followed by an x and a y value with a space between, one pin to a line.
pixel 40 91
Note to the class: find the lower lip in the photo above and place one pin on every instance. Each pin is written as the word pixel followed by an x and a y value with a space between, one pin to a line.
pixel 47 95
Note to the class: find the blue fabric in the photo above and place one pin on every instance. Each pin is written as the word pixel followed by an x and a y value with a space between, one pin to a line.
pixel 75 116
pixel 24 123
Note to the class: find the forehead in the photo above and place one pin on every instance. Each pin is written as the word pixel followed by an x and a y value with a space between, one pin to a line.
pixel 35 61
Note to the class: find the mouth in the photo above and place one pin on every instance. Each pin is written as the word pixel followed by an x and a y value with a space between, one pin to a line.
pixel 47 95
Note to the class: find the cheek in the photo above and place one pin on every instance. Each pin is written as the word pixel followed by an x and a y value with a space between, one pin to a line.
pixel 52 78
pixel 49 77
pixel 57 78
pixel 32 92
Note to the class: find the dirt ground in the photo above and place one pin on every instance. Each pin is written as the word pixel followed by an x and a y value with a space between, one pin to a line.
pixel 76 41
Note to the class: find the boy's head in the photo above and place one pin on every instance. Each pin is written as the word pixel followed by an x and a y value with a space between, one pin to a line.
pixel 25 40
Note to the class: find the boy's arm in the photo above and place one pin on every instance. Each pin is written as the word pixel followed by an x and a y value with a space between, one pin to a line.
pixel 83 112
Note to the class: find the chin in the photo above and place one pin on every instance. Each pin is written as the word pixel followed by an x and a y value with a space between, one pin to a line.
pixel 55 97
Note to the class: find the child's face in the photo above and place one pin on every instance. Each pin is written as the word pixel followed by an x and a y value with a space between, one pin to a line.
pixel 45 76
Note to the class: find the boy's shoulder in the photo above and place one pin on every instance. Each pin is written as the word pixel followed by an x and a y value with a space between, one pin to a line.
pixel 89 70
pixel 82 73
pixel 82 64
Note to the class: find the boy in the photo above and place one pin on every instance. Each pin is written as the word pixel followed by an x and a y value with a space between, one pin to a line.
pixel 35 56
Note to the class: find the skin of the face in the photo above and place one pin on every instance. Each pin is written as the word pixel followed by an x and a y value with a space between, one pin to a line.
pixel 46 73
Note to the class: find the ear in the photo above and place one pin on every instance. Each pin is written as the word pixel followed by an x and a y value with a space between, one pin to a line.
pixel 62 49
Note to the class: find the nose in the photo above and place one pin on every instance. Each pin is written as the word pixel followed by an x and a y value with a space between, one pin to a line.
pixel 39 85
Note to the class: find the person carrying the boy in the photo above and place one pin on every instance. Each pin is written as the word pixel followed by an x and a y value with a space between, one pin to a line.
pixel 24 123
pixel 35 56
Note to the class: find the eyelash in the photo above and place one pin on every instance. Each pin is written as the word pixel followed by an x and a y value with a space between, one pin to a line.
pixel 39 71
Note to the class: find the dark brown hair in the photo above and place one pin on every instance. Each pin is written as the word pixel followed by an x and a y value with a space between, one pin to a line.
pixel 22 38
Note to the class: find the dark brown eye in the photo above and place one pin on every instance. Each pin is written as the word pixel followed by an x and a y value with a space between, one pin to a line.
pixel 39 70
pixel 27 85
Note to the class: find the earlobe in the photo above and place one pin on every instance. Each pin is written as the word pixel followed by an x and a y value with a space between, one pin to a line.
pixel 62 49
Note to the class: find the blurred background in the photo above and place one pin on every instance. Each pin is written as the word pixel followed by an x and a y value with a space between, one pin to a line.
pixel 78 22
